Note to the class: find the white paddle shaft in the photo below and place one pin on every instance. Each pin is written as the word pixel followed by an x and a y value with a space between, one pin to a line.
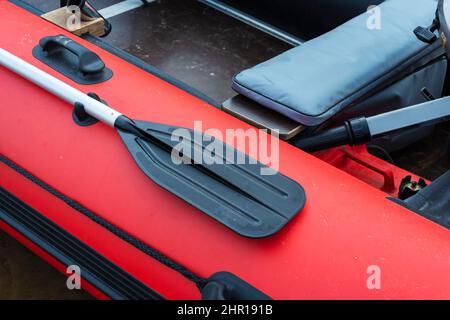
pixel 57 87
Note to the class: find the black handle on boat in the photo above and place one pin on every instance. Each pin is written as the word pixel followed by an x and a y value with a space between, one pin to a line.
pixel 88 61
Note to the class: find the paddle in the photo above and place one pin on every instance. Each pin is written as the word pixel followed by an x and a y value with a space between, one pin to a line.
pixel 236 195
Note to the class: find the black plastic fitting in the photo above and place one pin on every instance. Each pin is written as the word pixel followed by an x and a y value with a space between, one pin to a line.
pixel 353 132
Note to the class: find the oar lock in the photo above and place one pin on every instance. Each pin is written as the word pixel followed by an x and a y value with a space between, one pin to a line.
pixel 227 286
pixel 80 116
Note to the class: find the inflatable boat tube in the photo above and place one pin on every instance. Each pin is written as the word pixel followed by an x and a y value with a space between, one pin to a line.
pixel 62 197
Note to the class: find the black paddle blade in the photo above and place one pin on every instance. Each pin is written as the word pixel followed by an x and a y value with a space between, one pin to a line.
pixel 236 195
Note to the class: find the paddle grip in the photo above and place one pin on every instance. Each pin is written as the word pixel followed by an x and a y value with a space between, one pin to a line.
pixel 353 132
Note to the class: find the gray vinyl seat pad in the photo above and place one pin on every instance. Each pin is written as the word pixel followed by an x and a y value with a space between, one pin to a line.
pixel 316 80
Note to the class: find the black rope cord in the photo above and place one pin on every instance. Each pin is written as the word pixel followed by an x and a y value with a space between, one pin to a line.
pixel 155 254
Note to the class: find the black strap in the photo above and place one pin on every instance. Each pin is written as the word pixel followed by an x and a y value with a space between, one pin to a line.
pixel 155 254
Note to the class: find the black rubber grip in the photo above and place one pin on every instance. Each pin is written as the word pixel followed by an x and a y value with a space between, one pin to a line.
pixel 327 139
pixel 353 132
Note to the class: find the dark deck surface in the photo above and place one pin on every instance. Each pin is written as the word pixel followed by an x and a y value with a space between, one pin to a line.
pixel 188 40
pixel 203 48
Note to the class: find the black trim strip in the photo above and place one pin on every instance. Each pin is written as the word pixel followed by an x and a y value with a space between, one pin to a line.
pixel 95 269
pixel 138 244
pixel 132 60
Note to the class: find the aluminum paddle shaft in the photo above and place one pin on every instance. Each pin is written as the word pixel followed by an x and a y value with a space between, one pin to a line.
pixel 57 87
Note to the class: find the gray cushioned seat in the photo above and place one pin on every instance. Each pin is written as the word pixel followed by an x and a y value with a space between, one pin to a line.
pixel 316 80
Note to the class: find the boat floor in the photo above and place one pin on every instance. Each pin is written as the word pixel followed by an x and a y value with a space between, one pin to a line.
pixel 204 48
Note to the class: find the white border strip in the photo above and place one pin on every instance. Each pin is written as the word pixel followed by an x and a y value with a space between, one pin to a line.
pixel 121 7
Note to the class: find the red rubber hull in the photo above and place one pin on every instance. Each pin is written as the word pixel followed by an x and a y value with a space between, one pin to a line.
pixel 346 226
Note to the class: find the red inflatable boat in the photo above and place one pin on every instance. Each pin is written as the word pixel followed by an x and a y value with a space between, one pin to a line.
pixel 63 196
